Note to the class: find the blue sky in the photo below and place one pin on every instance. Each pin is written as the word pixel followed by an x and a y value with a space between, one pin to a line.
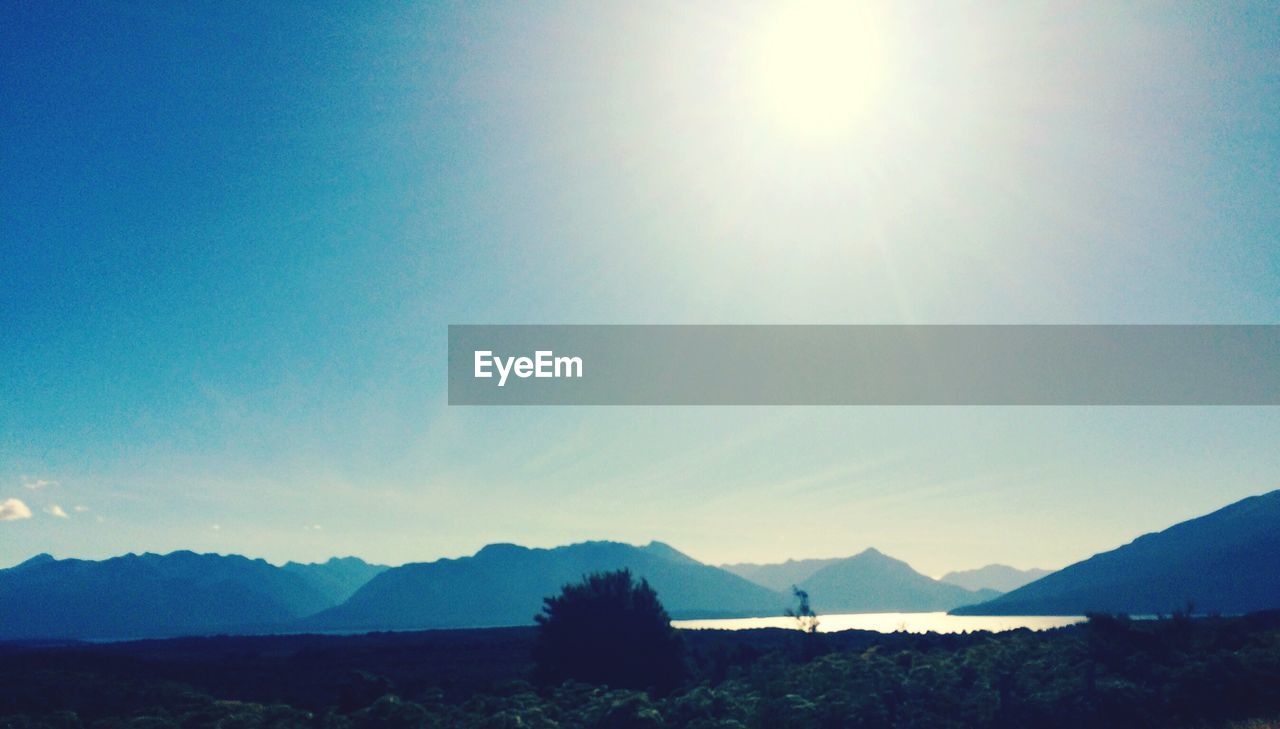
pixel 231 238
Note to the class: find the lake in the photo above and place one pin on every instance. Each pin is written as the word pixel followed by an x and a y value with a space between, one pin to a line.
pixel 894 622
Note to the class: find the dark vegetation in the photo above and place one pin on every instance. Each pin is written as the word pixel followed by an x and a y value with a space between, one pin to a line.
pixel 611 630
pixel 806 619
pixel 1111 672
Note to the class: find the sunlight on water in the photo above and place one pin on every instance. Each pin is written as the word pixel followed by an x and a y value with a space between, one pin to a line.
pixel 894 622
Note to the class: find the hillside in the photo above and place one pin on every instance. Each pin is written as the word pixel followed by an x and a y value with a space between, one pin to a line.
pixel 1225 562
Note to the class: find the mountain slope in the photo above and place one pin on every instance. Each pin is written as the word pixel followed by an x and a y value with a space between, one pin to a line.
pixel 504 584
pixel 779 576
pixel 873 582
pixel 998 577
pixel 39 559
pixel 337 579
pixel 1227 562
pixel 149 595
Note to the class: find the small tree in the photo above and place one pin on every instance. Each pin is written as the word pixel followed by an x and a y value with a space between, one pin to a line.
pixel 804 615
pixel 608 629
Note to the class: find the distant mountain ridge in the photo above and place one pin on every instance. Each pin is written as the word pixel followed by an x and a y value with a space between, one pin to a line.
pixel 870 581
pixel 998 577
pixel 782 575
pixel 1225 562
pixel 338 578
pixel 504 584
pixel 183 593
pixel 147 595
pixel 873 582
pixel 153 595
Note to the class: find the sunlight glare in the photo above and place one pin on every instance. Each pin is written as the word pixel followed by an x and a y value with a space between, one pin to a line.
pixel 820 67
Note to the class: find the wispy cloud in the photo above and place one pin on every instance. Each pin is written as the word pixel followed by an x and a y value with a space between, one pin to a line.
pixel 13 510
pixel 80 508
pixel 55 510
pixel 35 484
pixel 313 528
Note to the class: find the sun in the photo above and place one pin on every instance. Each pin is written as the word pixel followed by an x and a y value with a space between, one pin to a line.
pixel 820 67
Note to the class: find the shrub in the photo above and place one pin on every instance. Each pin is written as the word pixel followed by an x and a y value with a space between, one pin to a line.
pixel 608 629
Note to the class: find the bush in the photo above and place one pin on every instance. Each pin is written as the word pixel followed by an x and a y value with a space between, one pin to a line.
pixel 608 629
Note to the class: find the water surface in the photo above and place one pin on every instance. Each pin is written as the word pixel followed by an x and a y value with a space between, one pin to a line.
pixel 894 622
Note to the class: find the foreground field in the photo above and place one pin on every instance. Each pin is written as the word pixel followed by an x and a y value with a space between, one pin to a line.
pixel 1109 672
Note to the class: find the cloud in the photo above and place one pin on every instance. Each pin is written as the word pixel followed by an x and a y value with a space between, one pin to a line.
pixel 216 527
pixel 35 484
pixel 80 508
pixel 13 510
pixel 313 527
pixel 55 510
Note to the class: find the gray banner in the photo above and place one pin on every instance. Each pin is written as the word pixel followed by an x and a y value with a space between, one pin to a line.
pixel 864 365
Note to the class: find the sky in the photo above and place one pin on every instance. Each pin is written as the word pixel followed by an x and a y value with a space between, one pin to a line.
pixel 232 237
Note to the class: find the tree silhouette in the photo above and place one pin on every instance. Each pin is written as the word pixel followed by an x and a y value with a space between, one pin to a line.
pixel 804 615
pixel 608 629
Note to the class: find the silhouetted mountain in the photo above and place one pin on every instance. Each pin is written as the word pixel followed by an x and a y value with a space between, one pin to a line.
pixel 1224 562
pixel 998 577
pixel 872 582
pixel 42 558
pixel 780 576
pixel 337 579
pixel 149 595
pixel 504 584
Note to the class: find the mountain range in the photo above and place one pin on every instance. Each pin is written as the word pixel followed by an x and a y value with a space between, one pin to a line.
pixel 873 582
pixel 1224 562
pixel 183 593
pixel 998 577
pixel 151 595
pixel 337 579
pixel 504 584
pixel 782 576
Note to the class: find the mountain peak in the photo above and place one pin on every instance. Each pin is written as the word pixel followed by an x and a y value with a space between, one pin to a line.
pixel 331 562
pixel 39 559
pixel 499 550
pixel 662 549
pixel 345 560
pixel 872 581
